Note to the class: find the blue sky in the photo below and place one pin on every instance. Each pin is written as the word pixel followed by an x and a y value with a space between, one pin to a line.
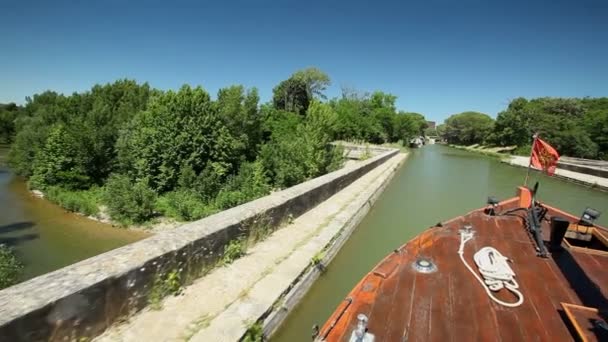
pixel 438 57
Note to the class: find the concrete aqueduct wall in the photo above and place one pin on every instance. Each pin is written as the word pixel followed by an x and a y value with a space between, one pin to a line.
pixel 83 299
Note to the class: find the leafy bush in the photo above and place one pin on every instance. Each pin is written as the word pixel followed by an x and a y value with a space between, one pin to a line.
pixel 250 183
pixel 254 333
pixel 232 251
pixel 129 202
pixel 575 127
pixel 10 267
pixel 85 202
pixel 61 161
pixel 302 152
pixel 183 205
pixel 178 128
pixel 523 150
pixel 169 284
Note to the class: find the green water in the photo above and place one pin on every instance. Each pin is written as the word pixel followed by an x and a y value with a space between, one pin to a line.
pixel 436 183
pixel 45 236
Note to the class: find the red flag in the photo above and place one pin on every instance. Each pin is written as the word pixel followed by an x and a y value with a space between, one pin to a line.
pixel 544 156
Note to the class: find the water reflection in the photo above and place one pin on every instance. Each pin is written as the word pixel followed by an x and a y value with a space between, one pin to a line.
pixel 45 236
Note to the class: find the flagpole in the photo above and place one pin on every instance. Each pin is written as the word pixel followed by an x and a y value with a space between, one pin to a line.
pixel 530 159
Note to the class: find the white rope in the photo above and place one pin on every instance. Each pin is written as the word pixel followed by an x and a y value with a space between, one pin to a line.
pixel 494 269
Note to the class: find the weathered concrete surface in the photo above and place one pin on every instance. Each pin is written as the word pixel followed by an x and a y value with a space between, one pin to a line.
pixel 349 218
pixel 83 299
pixel 576 177
pixel 590 167
pixel 354 151
pixel 220 306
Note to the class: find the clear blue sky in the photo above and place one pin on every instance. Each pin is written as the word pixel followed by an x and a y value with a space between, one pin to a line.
pixel 438 57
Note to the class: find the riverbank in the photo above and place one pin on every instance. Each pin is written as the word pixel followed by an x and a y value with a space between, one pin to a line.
pixel 496 152
pixel 591 181
pixel 45 236
pixel 86 204
pixel 568 169
pixel 126 280
pixel 80 202
pixel 268 281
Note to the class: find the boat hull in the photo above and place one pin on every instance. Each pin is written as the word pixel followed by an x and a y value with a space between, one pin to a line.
pixel 402 302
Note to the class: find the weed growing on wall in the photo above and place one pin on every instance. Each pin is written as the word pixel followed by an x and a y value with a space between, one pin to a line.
pixel 232 251
pixel 255 333
pixel 169 284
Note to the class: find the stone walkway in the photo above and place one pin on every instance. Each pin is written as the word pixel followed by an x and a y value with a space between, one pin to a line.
pixel 223 304
pixel 590 180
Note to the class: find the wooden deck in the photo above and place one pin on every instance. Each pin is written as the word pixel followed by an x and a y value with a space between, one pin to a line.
pixel 450 304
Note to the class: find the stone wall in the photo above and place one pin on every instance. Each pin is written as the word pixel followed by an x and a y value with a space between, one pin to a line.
pixel 83 299
pixel 586 169
pixel 352 151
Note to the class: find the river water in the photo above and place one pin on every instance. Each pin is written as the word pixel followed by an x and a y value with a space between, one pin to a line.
pixel 435 184
pixel 45 236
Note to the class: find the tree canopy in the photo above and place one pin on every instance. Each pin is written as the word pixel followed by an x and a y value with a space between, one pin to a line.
pixel 144 152
pixel 300 89
pixel 576 127
pixel 374 118
pixel 468 128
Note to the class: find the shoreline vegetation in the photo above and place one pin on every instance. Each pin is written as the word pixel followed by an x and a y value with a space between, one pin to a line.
pixel 576 127
pixel 10 267
pixel 490 151
pixel 86 203
pixel 130 155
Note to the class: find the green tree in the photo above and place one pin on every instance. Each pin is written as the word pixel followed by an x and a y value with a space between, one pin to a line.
pixel 468 128
pixel 105 112
pixel 358 118
pixel 127 201
pixel 40 112
pixel 60 162
pixel 238 109
pixel 316 81
pixel 300 150
pixel 291 95
pixel 297 92
pixel 8 115
pixel 91 119
pixel 178 129
pixel 576 127
pixel 408 126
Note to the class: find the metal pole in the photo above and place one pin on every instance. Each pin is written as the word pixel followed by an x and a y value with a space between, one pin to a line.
pixel 530 160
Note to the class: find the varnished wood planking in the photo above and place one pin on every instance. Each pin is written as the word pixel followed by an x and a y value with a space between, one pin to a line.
pixel 425 292
pixel 442 322
pixel 382 307
pixel 403 300
pixel 582 318
pixel 452 305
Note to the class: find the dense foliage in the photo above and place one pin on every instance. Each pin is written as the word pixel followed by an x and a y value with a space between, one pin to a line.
pixel 140 152
pixel 8 114
pixel 467 128
pixel 10 267
pixel 297 92
pixel 374 118
pixel 70 140
pixel 576 127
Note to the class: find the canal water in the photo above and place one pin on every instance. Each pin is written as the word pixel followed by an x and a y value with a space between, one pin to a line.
pixel 45 236
pixel 435 184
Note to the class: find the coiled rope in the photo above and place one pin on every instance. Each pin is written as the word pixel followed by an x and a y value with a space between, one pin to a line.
pixel 494 269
